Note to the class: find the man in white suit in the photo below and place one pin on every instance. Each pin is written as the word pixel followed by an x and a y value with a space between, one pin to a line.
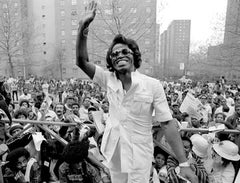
pixel 127 142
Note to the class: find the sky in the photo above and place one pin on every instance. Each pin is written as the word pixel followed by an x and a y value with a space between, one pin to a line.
pixel 202 14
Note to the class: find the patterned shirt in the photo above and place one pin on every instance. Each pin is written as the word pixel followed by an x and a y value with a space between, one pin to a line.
pixel 89 174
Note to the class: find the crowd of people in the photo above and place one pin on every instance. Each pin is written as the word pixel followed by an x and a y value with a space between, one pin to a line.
pixel 36 156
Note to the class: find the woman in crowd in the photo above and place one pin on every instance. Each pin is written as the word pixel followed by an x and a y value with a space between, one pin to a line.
pixel 223 155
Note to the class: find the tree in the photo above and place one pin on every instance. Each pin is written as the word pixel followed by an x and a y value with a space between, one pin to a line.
pixel 60 57
pixel 14 33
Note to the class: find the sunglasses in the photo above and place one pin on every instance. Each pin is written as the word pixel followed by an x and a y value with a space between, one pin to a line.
pixel 115 54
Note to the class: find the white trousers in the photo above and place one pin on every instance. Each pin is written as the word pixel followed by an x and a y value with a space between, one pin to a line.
pixel 137 176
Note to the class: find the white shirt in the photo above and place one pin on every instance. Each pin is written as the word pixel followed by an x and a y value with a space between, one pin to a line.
pixel 128 131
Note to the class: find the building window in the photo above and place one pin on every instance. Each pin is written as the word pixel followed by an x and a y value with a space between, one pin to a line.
pixel 43 16
pixel 133 10
pixel 44 52
pixel 74 12
pixel 62 2
pixel 148 10
pixel 108 12
pixel 62 33
pixel 74 42
pixel 43 7
pixel 63 41
pixel 62 13
pixel 44 43
pixel 147 41
pixel 148 20
pixel 74 2
pixel 134 20
pixel 64 70
pixel 4 6
pixel 74 22
pixel 74 32
pixel 62 22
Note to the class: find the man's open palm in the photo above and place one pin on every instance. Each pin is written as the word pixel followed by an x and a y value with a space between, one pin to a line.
pixel 90 12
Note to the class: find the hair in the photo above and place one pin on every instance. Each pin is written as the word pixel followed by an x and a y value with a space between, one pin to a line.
pixel 13 156
pixel 158 150
pixel 132 45
pixel 13 106
pixel 75 103
pixel 225 162
pixel 184 138
pixel 26 101
pixel 220 113
pixel 75 151
pixel 20 112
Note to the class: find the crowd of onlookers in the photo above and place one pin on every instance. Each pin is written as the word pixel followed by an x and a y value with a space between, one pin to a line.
pixel 36 156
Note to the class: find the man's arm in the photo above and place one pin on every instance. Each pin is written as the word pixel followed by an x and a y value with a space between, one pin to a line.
pixel 173 138
pixel 82 60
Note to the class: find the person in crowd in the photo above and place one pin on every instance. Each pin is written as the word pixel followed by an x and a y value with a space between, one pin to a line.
pixel 21 114
pixel 229 98
pixel 14 89
pixel 75 109
pixel 21 168
pixel 75 168
pixel 233 121
pixel 224 108
pixel 25 96
pixel 207 112
pixel 83 111
pixel 11 108
pixel 60 111
pixel 132 97
pixel 223 155
pixel 194 161
pixel 45 87
pixel 24 104
pixel 15 128
pixel 159 169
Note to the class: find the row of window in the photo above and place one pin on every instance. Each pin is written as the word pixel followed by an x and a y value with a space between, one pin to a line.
pixel 62 2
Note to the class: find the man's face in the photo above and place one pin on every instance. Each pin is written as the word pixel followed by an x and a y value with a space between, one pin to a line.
pixel 22 163
pixel 195 122
pixel 75 109
pixel 86 102
pixel 160 160
pixel 122 58
pixel 187 147
pixel 25 91
pixel 59 109
pixel 219 118
pixel 237 109
pixel 203 100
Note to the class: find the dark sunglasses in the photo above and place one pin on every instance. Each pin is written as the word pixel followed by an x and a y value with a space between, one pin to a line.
pixel 123 52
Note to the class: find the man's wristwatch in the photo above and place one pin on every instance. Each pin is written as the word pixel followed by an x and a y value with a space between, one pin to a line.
pixel 184 164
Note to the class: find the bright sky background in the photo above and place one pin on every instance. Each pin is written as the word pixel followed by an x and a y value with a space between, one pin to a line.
pixel 201 13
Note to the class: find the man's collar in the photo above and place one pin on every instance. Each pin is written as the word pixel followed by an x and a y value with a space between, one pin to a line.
pixel 115 84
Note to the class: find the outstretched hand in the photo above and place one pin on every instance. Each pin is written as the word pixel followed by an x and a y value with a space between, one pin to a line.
pixel 90 13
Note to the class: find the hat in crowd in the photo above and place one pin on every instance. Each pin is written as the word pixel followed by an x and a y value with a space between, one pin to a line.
pixel 200 145
pixel 227 149
pixel 14 127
